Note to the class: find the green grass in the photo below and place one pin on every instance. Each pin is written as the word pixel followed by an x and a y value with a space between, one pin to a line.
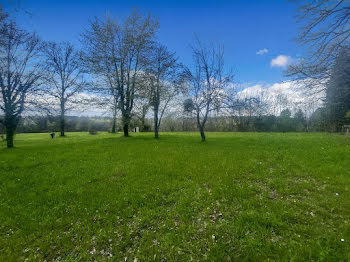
pixel 239 196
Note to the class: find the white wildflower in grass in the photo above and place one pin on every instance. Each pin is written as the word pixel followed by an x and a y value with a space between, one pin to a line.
pixel 342 240
pixel 213 237
pixel 336 194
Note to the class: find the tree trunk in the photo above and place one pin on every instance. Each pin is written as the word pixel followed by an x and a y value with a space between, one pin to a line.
pixel 143 118
pixel 156 127
pixel 201 130
pixel 115 111
pixel 10 126
pixel 62 126
pixel 156 131
pixel 126 120
pixel 201 125
pixel 126 130
pixel 9 137
pixel 114 124
pixel 62 120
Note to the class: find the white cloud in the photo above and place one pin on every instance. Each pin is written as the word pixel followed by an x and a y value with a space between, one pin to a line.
pixel 262 51
pixel 289 94
pixel 87 104
pixel 281 61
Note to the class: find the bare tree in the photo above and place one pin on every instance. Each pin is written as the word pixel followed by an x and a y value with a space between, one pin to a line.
pixel 141 108
pixel 116 52
pixel 64 77
pixel 164 82
pixel 105 99
pixel 208 81
pixel 324 31
pixel 19 74
pixel 187 113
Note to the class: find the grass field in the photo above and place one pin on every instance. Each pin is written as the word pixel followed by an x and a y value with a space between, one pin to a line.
pixel 238 196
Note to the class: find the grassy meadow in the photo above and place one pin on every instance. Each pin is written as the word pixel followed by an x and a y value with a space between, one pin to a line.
pixel 236 197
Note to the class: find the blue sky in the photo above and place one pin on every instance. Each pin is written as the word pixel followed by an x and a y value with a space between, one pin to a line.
pixel 244 27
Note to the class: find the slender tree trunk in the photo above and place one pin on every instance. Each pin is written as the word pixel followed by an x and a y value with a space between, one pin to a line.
pixel 114 124
pixel 201 130
pixel 143 118
pixel 156 131
pixel 201 125
pixel 62 126
pixel 156 126
pixel 62 120
pixel 115 111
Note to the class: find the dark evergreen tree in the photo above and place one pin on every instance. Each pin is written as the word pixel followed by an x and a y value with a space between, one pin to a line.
pixel 285 121
pixel 300 121
pixel 338 92
pixel 317 121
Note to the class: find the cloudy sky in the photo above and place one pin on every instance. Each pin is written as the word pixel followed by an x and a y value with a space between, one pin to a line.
pixel 256 33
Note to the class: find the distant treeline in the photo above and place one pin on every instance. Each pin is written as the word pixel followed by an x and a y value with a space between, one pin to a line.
pixel 317 122
pixel 175 123
pixel 42 124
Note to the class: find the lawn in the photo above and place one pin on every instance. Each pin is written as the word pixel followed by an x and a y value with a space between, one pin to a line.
pixel 238 196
